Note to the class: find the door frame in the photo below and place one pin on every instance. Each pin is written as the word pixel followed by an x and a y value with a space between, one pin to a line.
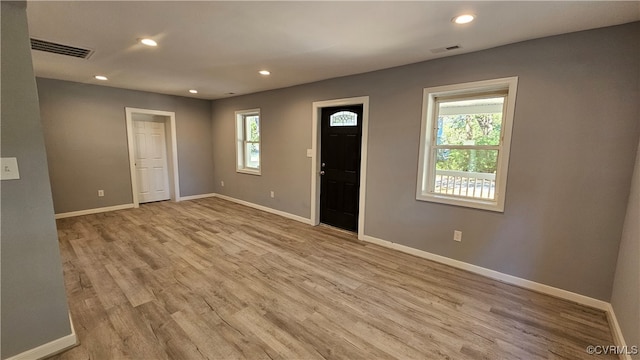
pixel 172 151
pixel 316 132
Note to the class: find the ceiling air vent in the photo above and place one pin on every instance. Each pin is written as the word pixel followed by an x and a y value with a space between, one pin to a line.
pixel 60 49
pixel 445 49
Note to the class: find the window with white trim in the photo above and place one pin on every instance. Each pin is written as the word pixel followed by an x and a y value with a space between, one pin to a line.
pixel 464 143
pixel 248 141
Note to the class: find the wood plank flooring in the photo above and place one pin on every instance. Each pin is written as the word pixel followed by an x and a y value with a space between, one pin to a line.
pixel 210 279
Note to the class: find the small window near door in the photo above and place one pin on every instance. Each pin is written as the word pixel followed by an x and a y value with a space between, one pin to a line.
pixel 248 141
pixel 343 118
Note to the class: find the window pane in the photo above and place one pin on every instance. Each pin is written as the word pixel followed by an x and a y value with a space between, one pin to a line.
pixel 468 173
pixel 252 155
pixel 470 122
pixel 343 118
pixel 252 128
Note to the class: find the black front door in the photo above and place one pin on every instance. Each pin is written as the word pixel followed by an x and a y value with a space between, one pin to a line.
pixel 341 135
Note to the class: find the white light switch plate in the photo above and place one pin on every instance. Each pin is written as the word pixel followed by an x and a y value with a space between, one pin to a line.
pixel 9 169
pixel 309 152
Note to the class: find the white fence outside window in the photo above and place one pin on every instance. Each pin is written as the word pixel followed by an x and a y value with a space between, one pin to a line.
pixel 465 184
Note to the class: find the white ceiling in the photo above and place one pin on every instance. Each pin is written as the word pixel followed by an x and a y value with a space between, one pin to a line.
pixel 218 47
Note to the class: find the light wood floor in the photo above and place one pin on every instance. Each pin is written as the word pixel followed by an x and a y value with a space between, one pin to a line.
pixel 210 279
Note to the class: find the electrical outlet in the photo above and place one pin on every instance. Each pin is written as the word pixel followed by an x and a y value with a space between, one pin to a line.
pixel 273 194
pixel 222 183
pixel 100 193
pixel 457 235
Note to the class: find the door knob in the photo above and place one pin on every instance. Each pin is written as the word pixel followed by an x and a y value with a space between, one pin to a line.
pixel 321 172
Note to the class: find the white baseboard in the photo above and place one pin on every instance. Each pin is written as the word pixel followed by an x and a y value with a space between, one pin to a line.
pixel 492 274
pixel 50 348
pixel 94 211
pixel 618 338
pixel 194 197
pixel 266 209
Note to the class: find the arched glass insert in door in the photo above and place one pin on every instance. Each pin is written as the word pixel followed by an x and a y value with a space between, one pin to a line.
pixel 343 118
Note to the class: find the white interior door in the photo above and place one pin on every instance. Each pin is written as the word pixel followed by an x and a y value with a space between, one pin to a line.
pixel 151 161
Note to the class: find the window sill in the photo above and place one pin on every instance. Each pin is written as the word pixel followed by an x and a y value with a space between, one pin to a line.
pixel 463 202
pixel 249 171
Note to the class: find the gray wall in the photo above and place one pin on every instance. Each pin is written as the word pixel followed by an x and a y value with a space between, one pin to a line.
pixel 86 139
pixel 626 285
pixel 34 304
pixel 573 148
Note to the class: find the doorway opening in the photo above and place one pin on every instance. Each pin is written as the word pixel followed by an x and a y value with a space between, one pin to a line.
pixel 339 152
pixel 153 157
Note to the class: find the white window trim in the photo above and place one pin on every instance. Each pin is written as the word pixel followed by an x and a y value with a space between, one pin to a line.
pixel 240 141
pixel 426 138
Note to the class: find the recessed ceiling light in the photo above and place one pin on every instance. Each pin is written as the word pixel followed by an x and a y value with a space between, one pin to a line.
pixel 101 77
pixel 193 91
pixel 148 42
pixel 264 72
pixel 463 19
